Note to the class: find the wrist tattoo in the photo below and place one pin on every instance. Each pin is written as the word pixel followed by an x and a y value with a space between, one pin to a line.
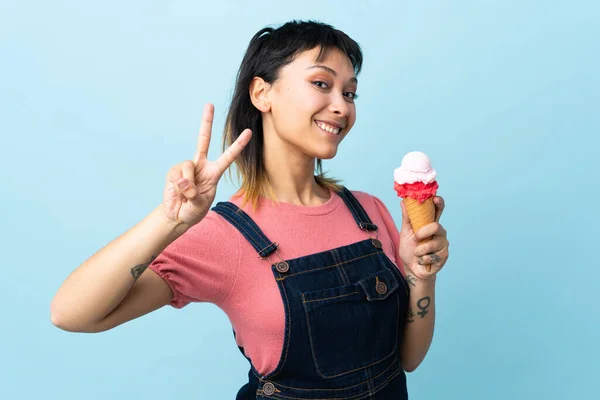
pixel 137 271
pixel 410 316
pixel 411 280
pixel 423 305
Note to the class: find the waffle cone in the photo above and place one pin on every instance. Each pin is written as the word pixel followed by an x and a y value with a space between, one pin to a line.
pixel 419 215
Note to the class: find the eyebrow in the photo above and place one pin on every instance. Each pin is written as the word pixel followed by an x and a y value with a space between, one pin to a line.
pixel 331 71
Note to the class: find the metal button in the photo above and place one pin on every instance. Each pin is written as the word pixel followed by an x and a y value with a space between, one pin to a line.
pixel 282 267
pixel 268 388
pixel 377 243
pixel 381 288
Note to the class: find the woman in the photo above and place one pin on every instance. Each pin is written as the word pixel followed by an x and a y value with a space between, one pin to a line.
pixel 327 299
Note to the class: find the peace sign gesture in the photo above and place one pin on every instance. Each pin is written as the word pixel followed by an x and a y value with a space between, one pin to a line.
pixel 192 185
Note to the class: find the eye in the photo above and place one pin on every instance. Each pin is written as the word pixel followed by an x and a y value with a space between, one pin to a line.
pixel 321 84
pixel 351 95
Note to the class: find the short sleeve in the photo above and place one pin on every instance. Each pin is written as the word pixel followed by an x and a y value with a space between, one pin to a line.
pixel 392 230
pixel 201 265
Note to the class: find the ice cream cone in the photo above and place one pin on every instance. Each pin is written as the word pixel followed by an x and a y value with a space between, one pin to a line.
pixel 415 181
pixel 419 215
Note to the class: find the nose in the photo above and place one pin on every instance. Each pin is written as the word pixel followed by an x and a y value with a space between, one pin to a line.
pixel 339 105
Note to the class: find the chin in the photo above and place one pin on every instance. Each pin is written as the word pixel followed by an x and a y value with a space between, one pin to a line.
pixel 326 154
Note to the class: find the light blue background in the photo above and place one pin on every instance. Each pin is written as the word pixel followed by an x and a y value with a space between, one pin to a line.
pixel 97 101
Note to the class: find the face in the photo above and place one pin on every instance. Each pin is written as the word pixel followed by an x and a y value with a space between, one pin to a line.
pixel 312 103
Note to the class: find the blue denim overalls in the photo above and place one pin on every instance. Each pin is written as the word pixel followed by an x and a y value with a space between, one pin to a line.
pixel 344 318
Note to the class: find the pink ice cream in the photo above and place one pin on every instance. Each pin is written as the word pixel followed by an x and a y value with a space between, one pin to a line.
pixel 415 178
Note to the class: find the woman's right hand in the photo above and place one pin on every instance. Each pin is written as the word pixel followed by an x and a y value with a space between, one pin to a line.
pixel 192 185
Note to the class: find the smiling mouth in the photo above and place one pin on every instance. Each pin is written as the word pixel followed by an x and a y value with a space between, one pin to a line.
pixel 335 130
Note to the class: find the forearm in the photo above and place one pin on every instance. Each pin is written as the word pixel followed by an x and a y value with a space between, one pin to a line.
pixel 98 285
pixel 418 332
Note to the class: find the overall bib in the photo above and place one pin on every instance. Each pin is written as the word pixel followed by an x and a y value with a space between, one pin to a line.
pixel 344 318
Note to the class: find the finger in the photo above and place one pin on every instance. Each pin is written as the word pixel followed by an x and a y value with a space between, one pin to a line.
pixel 424 266
pixel 205 132
pixel 432 246
pixel 187 185
pixel 229 156
pixel 429 230
pixel 435 267
pixel 440 204
pixel 429 259
pixel 174 174
pixel 175 177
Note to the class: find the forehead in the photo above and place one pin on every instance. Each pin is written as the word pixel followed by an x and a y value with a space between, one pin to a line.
pixel 332 58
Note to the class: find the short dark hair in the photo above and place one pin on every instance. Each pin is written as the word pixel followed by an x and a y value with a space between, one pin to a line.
pixel 268 51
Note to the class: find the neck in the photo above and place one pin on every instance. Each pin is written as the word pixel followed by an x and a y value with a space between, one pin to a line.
pixel 291 174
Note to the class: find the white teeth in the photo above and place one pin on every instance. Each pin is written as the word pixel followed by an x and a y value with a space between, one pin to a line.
pixel 329 128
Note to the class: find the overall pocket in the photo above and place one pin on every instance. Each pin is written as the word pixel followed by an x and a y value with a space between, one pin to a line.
pixel 354 326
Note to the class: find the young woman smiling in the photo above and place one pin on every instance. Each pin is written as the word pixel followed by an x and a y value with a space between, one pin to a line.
pixel 327 299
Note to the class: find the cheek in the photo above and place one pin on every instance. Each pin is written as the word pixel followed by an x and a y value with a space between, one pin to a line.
pixel 301 103
pixel 306 98
pixel 352 117
pixel 289 111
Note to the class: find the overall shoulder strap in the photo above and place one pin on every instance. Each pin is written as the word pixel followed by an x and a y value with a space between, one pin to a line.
pixel 247 227
pixel 358 212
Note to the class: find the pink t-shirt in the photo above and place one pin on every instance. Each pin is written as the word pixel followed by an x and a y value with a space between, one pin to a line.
pixel 213 262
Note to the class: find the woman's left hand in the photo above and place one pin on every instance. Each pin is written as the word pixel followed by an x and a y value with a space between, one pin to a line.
pixel 416 256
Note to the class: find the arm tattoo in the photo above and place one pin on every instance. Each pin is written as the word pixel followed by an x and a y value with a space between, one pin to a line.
pixel 410 316
pixel 411 280
pixel 139 269
pixel 423 305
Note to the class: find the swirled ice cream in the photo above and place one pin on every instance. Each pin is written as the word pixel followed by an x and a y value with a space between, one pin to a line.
pixel 415 178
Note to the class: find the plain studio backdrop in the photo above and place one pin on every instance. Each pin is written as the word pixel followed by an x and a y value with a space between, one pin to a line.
pixel 98 101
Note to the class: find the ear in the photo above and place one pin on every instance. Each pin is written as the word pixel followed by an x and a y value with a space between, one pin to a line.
pixel 259 94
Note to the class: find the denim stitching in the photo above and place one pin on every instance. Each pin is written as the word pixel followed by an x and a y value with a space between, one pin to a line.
pixel 369 382
pixel 352 203
pixel 247 224
pixel 328 298
pixel 338 389
pixel 245 218
pixel 397 318
pixel 397 307
pixel 343 274
pixel 233 221
pixel 391 289
pixel 389 293
pixel 330 266
pixel 249 237
pixel 391 265
pixel 312 347
pixel 286 337
pixel 360 396
pixel 310 334
pixel 361 210
pixel 249 221
pixel 267 249
pixel 358 369
pixel 346 199
pixel 343 271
